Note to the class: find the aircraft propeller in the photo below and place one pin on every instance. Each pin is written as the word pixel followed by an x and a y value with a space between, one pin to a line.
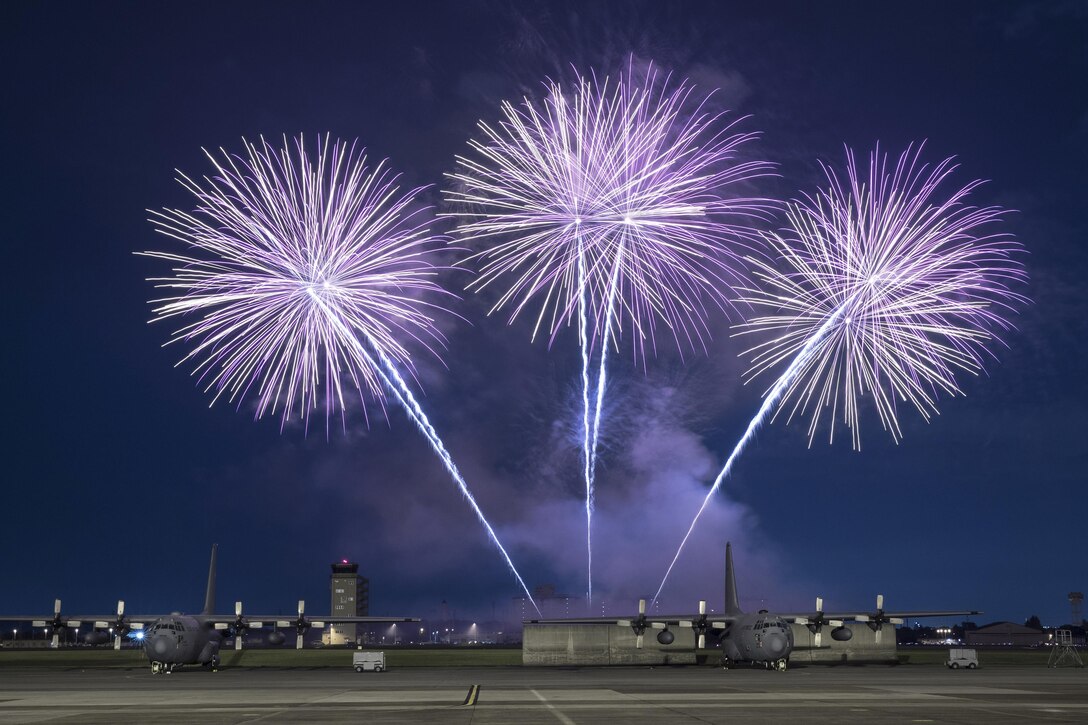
pixel 120 625
pixel 301 624
pixel 638 626
pixel 815 622
pixel 700 625
pixel 238 626
pixel 58 623
pixel 878 619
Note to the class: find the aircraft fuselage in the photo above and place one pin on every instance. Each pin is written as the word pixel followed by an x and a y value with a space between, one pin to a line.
pixel 181 640
pixel 761 637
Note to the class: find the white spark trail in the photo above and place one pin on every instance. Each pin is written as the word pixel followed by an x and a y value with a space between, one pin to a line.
pixel 769 402
pixel 393 380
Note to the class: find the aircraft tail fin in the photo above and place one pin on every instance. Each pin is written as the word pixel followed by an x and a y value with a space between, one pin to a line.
pixel 731 605
pixel 209 595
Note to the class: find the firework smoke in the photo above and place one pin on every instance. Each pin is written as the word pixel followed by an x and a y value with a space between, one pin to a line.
pixel 884 291
pixel 304 276
pixel 604 203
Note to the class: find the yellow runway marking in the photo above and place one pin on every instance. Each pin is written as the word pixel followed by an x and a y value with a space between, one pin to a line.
pixel 472 696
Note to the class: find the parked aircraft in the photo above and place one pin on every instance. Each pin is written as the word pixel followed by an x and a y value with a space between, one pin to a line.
pixel 173 640
pixel 763 637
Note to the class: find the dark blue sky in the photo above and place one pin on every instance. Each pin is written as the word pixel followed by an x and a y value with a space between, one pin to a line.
pixel 118 476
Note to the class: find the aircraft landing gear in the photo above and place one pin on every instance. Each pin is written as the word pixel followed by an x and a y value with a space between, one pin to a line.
pixel 156 668
pixel 215 663
pixel 780 665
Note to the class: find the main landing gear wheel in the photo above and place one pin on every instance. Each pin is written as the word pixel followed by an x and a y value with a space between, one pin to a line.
pixel 780 665
pixel 156 668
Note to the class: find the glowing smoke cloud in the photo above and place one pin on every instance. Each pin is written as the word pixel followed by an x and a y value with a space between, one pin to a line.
pixel 884 292
pixel 604 196
pixel 305 260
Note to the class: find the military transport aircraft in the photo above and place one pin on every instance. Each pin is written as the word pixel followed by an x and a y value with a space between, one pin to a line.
pixel 763 638
pixel 173 640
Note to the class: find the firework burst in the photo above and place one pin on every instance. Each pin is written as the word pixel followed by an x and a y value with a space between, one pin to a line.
pixel 275 236
pixel 304 276
pixel 917 285
pixel 885 290
pixel 611 194
pixel 607 205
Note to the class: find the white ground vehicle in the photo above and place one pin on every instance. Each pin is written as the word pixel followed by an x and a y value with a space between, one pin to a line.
pixel 368 661
pixel 958 658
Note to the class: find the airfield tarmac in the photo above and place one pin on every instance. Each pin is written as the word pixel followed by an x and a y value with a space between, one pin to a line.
pixel 873 694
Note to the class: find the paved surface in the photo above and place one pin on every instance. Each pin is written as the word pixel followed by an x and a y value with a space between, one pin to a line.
pixel 907 694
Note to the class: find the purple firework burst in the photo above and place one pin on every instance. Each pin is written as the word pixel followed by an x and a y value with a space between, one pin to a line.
pixel 304 274
pixel 293 260
pixel 916 283
pixel 885 288
pixel 611 193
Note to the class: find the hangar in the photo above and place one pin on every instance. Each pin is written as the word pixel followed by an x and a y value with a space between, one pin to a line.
pixel 610 644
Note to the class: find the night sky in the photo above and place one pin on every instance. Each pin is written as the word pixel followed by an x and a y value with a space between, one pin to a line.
pixel 118 475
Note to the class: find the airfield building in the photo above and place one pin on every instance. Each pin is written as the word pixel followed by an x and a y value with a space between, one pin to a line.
pixel 350 598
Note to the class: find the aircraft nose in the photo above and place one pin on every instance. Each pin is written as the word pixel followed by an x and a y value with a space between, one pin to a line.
pixel 160 645
pixel 774 643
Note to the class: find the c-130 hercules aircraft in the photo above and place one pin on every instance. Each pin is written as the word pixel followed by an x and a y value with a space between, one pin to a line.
pixel 763 638
pixel 173 640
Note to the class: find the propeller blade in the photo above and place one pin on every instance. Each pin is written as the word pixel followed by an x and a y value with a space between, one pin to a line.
pixel 137 625
pixel 298 642
pixel 638 642
pixel 102 625
pixel 896 620
pixel 685 623
pixel 879 632
pixel 319 625
pixel 221 626
pixel 238 641
pixel 56 606
pixel 75 623
pixel 641 606
pixel 718 625
pixel 39 623
pixel 117 642
pixel 835 622
pixel 624 622
pixel 819 604
pixel 819 637
pixel 255 625
pixel 281 623
pixel 801 620
pixel 301 606
pixel 120 607
pixel 56 640
pixel 658 625
pixel 702 641
pixel 880 601
pixel 862 618
pixel 702 606
pixel 237 609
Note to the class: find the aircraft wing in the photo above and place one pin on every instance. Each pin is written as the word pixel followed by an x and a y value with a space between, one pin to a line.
pixel 866 616
pixel 862 616
pixel 230 618
pixel 671 620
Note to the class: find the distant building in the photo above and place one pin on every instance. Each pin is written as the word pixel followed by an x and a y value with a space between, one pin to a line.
pixel 350 598
pixel 1005 633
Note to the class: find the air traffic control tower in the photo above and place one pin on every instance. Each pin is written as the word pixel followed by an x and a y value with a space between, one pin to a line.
pixel 350 598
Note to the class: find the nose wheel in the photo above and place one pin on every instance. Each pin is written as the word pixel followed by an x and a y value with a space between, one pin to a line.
pixel 780 665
